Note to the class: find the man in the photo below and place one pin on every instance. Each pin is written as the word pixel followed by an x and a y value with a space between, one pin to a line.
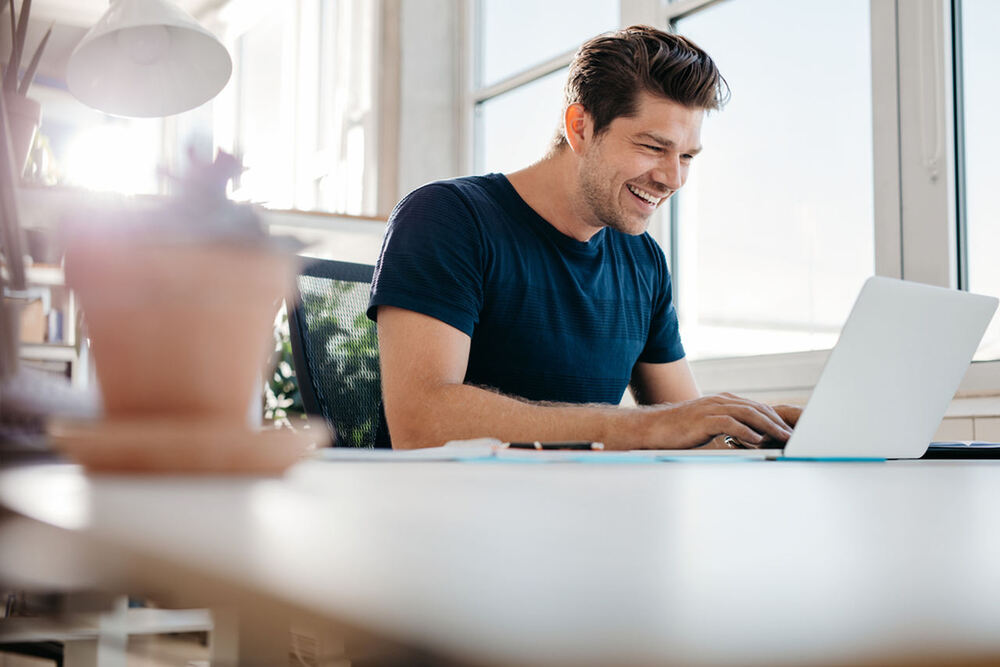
pixel 521 307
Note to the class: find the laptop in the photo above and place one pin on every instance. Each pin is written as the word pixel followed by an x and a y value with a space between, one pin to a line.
pixel 887 383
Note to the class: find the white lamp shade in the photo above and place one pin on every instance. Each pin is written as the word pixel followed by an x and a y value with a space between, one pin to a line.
pixel 147 58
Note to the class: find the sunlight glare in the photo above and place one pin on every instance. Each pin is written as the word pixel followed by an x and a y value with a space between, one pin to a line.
pixel 114 157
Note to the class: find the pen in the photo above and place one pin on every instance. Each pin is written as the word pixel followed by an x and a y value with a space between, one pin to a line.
pixel 577 444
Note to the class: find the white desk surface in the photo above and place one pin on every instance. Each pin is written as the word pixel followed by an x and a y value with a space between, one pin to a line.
pixel 695 563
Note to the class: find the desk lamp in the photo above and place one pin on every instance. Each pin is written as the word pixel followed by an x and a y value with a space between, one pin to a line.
pixel 147 58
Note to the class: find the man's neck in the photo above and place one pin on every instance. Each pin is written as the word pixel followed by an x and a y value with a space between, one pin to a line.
pixel 550 188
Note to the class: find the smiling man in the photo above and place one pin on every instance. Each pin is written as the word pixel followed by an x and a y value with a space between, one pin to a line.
pixel 521 306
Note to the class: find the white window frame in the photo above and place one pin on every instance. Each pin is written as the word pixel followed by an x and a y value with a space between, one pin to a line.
pixel 915 207
pixel 631 12
pixel 312 107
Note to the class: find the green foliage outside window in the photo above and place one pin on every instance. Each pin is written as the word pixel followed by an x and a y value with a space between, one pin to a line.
pixel 282 402
pixel 345 365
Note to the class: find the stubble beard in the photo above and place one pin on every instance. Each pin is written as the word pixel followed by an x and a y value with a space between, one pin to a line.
pixel 603 204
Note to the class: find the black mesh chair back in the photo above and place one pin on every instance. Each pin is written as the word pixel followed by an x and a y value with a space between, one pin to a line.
pixel 335 350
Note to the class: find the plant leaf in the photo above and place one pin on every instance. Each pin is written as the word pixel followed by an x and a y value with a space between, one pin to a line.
pixel 13 49
pixel 22 33
pixel 29 74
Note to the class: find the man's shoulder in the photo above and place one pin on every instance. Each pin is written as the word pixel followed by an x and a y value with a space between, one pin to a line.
pixel 467 188
pixel 472 202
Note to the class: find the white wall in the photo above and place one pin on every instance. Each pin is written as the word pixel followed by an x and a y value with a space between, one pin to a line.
pixel 430 118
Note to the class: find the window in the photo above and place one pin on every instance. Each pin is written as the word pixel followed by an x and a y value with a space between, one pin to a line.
pixel 301 107
pixel 522 50
pixel 86 148
pixel 775 225
pixel 517 127
pixel 516 35
pixel 265 104
pixel 980 54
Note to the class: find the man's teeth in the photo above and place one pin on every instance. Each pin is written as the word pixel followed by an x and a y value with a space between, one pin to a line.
pixel 642 194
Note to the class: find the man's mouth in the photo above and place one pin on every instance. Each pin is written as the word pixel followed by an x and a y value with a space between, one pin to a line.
pixel 647 197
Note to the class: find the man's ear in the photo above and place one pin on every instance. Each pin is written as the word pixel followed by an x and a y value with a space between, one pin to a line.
pixel 578 126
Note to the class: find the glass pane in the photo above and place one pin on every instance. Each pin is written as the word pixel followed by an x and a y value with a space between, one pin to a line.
pixel 776 224
pixel 516 128
pixel 266 108
pixel 981 53
pixel 83 147
pixel 517 34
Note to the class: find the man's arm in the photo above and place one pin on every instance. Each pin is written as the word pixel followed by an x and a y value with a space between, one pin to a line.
pixel 654 384
pixel 427 403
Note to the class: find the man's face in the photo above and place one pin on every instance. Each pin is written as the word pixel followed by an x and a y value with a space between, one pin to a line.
pixel 637 163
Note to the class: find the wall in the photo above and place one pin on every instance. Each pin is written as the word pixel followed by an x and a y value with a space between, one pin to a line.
pixel 430 92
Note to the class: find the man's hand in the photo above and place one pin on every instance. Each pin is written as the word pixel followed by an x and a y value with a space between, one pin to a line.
pixel 696 422
pixel 790 413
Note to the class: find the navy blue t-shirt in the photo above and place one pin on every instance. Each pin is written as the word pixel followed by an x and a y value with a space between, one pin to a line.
pixel 550 318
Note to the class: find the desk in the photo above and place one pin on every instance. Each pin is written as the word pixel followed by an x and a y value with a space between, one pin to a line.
pixel 784 563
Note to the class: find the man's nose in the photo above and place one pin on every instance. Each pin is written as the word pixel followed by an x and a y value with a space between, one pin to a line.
pixel 669 173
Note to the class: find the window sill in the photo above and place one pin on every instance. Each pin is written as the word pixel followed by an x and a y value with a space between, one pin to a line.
pixel 974 406
pixel 790 378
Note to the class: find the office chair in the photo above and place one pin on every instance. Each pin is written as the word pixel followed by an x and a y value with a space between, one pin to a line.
pixel 335 352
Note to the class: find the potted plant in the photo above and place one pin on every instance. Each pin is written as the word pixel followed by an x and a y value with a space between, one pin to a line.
pixel 179 299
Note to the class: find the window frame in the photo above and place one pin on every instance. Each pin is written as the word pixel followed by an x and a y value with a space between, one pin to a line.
pixel 917 177
pixel 631 12
pixel 307 105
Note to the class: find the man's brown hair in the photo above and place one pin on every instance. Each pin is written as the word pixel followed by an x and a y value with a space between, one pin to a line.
pixel 609 71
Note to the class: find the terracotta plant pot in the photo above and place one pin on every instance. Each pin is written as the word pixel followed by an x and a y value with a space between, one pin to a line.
pixel 25 115
pixel 178 329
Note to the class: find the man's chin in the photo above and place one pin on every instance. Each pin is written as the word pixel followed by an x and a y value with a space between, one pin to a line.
pixel 632 227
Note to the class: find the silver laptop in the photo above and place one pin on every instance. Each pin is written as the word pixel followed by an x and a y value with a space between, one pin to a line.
pixel 887 383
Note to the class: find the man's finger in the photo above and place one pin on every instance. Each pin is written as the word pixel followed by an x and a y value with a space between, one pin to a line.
pixel 728 425
pixel 775 415
pixel 790 413
pixel 760 421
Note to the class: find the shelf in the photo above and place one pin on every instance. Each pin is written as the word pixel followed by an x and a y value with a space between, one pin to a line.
pixel 89 626
pixel 46 275
pixel 48 352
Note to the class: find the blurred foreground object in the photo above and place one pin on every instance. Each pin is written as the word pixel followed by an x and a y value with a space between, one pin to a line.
pixel 12 245
pixel 147 58
pixel 179 299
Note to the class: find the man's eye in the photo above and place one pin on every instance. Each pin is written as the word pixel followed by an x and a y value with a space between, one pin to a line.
pixel 655 149
pixel 687 158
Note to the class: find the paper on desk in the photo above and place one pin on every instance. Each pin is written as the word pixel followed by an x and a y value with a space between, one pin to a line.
pixel 456 450
pixel 485 450
pixel 607 457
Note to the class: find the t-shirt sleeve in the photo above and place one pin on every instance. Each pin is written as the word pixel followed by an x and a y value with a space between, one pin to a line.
pixel 432 259
pixel 663 345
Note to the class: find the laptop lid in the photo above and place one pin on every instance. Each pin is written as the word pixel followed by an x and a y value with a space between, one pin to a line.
pixel 887 383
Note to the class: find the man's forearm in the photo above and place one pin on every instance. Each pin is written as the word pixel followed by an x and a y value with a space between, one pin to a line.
pixel 461 411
